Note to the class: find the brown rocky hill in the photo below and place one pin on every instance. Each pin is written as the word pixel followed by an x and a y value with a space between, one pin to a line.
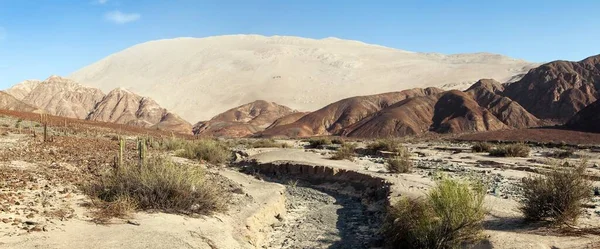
pixel 9 102
pixel 66 98
pixel 288 119
pixel 63 97
pixel 334 117
pixel 243 120
pixel 448 112
pixel 559 89
pixel 587 119
pixel 124 107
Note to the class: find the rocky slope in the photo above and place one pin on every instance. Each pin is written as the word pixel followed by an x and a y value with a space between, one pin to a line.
pixel 9 102
pixel 559 89
pixel 587 119
pixel 207 76
pixel 64 97
pixel 243 120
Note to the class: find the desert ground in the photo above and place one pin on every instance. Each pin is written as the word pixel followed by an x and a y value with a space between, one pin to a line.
pixel 290 197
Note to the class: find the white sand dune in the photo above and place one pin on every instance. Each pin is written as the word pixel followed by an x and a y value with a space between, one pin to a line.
pixel 201 77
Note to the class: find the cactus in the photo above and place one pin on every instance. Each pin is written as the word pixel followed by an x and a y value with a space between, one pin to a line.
pixel 121 149
pixel 142 151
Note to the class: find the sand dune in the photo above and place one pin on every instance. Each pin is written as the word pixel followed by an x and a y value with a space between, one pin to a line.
pixel 201 77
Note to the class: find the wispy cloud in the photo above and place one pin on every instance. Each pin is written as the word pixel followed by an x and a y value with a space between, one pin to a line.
pixel 99 2
pixel 119 17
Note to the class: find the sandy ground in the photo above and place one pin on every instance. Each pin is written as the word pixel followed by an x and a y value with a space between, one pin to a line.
pixel 206 76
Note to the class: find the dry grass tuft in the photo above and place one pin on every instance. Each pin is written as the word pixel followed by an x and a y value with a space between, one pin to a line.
pixel 211 151
pixel 482 147
pixel 318 142
pixel 400 163
pixel 267 143
pixel 557 195
pixel 390 145
pixel 511 150
pixel 345 152
pixel 158 184
pixel 448 217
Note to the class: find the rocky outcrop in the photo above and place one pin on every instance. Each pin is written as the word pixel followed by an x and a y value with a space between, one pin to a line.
pixel 559 89
pixel 64 97
pixel 587 119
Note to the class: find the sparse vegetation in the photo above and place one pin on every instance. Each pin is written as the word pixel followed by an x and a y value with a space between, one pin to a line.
pixel 449 216
pixel 267 143
pixel 157 184
pixel 318 142
pixel 557 195
pixel 338 141
pixel 482 147
pixel 562 154
pixel 400 163
pixel 511 150
pixel 390 145
pixel 209 150
pixel 345 152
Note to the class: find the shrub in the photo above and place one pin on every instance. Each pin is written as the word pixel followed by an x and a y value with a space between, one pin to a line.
pixel 562 154
pixel 318 142
pixel 345 152
pixel 401 162
pixel 511 150
pixel 174 144
pixel 481 147
pixel 267 143
pixel 449 216
pixel 211 151
pixel 391 145
pixel 557 195
pixel 158 184
pixel 338 141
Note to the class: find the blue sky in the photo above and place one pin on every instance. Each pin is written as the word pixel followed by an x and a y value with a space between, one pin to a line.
pixel 43 37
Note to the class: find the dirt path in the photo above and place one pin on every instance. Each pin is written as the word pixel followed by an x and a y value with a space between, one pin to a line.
pixel 321 219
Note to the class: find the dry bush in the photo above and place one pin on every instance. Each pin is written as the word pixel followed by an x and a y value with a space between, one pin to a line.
pixel 481 147
pixel 338 141
pixel 158 184
pixel 400 163
pixel 318 142
pixel 174 144
pixel 448 217
pixel 511 150
pixel 390 145
pixel 557 195
pixel 209 150
pixel 267 143
pixel 562 154
pixel 122 207
pixel 345 152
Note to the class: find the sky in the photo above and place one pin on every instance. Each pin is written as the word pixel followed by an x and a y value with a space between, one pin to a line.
pixel 39 38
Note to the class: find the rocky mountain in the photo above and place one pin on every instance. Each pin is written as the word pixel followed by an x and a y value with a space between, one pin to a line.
pixel 559 89
pixel 588 119
pixel 62 97
pixel 67 98
pixel 243 120
pixel 9 102
pixel 207 76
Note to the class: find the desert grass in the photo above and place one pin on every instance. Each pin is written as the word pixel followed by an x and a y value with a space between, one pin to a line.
pixel 267 143
pixel 557 195
pixel 448 217
pixel 511 150
pixel 346 151
pixel 208 150
pixel 389 145
pixel 481 147
pixel 400 163
pixel 318 142
pixel 159 184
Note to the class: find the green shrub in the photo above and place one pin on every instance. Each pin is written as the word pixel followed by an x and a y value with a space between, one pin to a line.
pixel 400 163
pixel 209 150
pixel 390 145
pixel 318 142
pixel 557 195
pixel 159 184
pixel 174 144
pixel 481 147
pixel 511 150
pixel 449 216
pixel 338 141
pixel 345 152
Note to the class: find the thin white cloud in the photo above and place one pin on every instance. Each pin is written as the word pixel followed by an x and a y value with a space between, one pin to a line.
pixel 102 1
pixel 119 17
